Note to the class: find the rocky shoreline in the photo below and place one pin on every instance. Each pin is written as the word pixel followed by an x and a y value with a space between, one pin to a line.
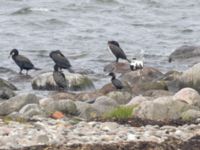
pixel 153 111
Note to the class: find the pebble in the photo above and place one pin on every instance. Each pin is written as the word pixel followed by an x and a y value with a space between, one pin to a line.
pixel 51 131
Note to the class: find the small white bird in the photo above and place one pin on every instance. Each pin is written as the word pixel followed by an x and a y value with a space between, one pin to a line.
pixel 136 64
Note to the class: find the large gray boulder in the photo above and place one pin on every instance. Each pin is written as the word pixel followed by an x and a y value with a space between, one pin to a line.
pixel 65 106
pixel 188 95
pixel 185 52
pixel 101 105
pixel 16 103
pixel 77 82
pixel 31 110
pixel 161 109
pixel 121 97
pixel 191 78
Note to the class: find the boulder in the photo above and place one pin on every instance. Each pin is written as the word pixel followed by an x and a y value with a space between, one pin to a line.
pixel 86 110
pixel 188 95
pixel 138 99
pixel 119 67
pixel 121 97
pixel 190 114
pixel 102 105
pixel 191 78
pixel 141 76
pixel 77 82
pixel 171 79
pixel 63 95
pixel 16 103
pixel 6 93
pixel 161 109
pixel 157 93
pixel 6 84
pixel 65 106
pixel 31 110
pixel 185 52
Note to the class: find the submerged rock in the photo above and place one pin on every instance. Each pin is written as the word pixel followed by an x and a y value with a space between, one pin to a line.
pixel 77 82
pixel 16 103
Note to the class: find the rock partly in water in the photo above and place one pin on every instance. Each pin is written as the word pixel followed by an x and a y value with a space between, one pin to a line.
pixel 121 97
pixel 188 95
pixel 65 106
pixel 185 52
pixel 77 82
pixel 6 84
pixel 161 109
pixel 191 78
pixel 16 103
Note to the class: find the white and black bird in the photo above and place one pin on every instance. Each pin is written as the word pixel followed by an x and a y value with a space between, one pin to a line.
pixel 23 62
pixel 115 48
pixel 117 83
pixel 136 64
pixel 60 60
pixel 59 78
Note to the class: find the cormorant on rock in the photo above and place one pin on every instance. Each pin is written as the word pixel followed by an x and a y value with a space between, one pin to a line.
pixel 60 60
pixel 23 62
pixel 117 83
pixel 115 48
pixel 136 64
pixel 59 78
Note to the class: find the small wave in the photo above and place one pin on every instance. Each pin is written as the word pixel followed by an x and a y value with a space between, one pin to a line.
pixel 28 10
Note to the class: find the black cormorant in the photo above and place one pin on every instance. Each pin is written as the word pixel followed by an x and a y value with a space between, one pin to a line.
pixel 117 83
pixel 23 62
pixel 60 60
pixel 115 48
pixel 59 78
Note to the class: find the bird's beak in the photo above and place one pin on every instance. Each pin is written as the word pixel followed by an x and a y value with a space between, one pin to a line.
pixel 9 56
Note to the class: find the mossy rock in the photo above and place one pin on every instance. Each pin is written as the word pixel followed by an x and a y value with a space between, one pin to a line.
pixel 157 85
pixel 77 82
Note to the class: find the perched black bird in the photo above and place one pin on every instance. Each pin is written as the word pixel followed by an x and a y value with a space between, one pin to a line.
pixel 117 83
pixel 23 62
pixel 59 78
pixel 60 60
pixel 115 48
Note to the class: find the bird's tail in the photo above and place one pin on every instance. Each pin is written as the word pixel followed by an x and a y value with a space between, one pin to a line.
pixel 128 60
pixel 37 68
pixel 71 70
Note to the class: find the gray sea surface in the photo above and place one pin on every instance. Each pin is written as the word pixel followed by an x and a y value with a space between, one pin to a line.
pixel 146 29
